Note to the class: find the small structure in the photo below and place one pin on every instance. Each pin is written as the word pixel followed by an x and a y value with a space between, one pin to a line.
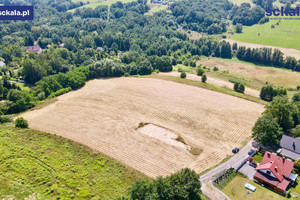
pixel 2 63
pixel 36 49
pixel 62 45
pixel 169 5
pixel 250 187
pixel 275 172
pixel 290 147
pixel 157 1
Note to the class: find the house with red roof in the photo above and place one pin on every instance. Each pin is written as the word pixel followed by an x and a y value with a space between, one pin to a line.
pixel 275 172
pixel 35 49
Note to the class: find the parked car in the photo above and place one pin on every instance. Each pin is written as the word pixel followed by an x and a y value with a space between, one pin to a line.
pixel 235 150
pixel 251 152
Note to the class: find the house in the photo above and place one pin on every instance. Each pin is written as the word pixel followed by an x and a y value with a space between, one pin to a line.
pixel 2 63
pixel 169 5
pixel 275 172
pixel 290 147
pixel 35 49
pixel 157 1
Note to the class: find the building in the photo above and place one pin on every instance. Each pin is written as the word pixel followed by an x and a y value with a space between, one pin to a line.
pixel 62 45
pixel 275 172
pixel 169 5
pixel 2 63
pixel 290 147
pixel 35 49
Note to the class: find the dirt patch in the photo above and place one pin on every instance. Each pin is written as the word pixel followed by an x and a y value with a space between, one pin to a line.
pixel 104 115
pixel 287 51
pixel 166 136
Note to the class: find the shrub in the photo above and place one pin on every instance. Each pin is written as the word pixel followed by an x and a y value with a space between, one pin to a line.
pixel 5 118
pixel 216 69
pixel 183 75
pixel 239 87
pixel 200 71
pixel 21 123
pixel 204 78
pixel 59 92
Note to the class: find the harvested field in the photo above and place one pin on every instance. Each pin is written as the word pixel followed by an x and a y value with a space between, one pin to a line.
pixel 274 76
pixel 105 114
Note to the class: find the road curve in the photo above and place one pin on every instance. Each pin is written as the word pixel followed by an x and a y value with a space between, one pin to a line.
pixel 234 161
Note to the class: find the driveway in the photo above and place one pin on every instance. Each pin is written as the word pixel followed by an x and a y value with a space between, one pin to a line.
pixel 234 161
pixel 248 170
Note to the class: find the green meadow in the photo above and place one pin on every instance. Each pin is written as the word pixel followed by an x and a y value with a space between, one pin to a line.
pixel 37 165
pixel 286 34
pixel 95 3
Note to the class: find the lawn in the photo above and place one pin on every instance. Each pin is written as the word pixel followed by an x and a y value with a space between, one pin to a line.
pixel 37 165
pixel 286 34
pixel 258 157
pixel 235 190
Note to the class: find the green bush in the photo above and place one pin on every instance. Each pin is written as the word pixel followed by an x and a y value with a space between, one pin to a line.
pixel 21 123
pixel 183 75
pixel 239 87
pixel 5 118
pixel 204 78
pixel 200 71
pixel 59 92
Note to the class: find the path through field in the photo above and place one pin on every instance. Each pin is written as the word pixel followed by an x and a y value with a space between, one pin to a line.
pixel 214 81
pixel 105 113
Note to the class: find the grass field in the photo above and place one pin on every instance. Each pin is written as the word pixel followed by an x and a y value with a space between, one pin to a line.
pixel 156 8
pixel 235 190
pixel 37 165
pixel 253 75
pixel 95 3
pixel 239 2
pixel 286 34
pixel 104 115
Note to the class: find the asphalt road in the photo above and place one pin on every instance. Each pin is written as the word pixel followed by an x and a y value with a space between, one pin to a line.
pixel 233 162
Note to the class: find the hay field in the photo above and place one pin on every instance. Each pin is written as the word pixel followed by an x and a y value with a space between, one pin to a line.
pixel 105 113
pixel 274 76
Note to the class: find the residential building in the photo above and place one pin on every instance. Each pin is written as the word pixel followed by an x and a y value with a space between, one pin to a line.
pixel 2 63
pixel 290 147
pixel 35 49
pixel 275 172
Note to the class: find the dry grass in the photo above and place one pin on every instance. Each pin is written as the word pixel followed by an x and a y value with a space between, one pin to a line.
pixel 214 81
pixel 105 113
pixel 259 75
